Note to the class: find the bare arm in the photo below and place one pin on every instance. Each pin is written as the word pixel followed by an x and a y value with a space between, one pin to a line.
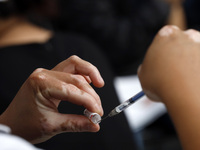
pixel 170 73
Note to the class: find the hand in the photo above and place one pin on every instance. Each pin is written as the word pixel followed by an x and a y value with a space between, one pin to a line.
pixel 170 73
pixel 33 112
pixel 171 65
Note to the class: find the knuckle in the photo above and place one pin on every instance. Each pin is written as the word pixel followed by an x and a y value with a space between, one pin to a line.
pixel 38 70
pixel 70 89
pixel 78 79
pixel 191 31
pixel 193 35
pixel 167 31
pixel 38 75
pixel 73 58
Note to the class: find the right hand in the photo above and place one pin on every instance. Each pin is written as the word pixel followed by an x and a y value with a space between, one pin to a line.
pixel 33 113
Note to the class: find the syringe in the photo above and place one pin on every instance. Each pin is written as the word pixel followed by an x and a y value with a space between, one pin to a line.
pixel 125 104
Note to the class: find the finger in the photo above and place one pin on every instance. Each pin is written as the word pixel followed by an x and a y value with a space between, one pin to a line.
pixel 70 93
pixel 76 65
pixel 78 123
pixel 76 80
pixel 87 78
pixel 53 89
pixel 70 123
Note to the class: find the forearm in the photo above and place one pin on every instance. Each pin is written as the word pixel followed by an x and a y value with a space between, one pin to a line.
pixel 184 109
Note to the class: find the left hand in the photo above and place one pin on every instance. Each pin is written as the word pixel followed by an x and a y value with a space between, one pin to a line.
pixel 171 64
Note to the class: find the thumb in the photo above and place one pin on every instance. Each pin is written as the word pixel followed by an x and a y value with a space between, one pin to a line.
pixel 74 123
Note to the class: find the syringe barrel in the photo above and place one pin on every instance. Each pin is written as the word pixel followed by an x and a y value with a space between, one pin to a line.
pixel 122 106
pixel 128 102
pixel 136 97
pixel 125 104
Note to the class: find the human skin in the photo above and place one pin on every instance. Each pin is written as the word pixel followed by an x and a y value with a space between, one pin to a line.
pixel 177 14
pixel 170 73
pixel 33 112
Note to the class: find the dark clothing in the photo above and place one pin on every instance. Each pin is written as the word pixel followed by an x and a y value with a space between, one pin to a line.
pixel 18 62
pixel 192 11
pixel 122 28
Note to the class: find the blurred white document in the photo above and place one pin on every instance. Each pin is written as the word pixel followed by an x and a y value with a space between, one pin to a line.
pixel 143 112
